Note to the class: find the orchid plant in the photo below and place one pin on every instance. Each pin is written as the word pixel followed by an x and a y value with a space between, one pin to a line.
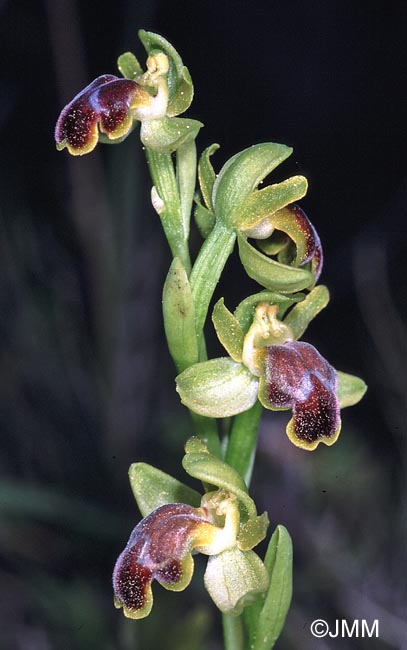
pixel 265 365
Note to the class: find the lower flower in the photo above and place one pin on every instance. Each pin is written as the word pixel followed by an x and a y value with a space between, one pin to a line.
pixel 160 548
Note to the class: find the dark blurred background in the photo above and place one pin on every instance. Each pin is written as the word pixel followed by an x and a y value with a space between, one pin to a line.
pixel 86 383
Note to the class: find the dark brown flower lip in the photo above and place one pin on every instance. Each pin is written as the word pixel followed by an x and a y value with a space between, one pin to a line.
pixel 106 105
pixel 159 548
pixel 298 376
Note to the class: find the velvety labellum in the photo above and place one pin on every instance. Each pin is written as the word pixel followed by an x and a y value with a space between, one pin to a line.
pixel 297 376
pixel 159 549
pixel 107 104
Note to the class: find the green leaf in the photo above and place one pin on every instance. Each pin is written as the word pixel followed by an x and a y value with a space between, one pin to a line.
pixel 350 389
pixel 153 488
pixel 302 314
pixel 240 176
pixel 206 175
pixel 244 312
pixel 129 66
pixel 264 203
pixel 179 317
pixel 210 469
pixel 217 388
pixel 167 134
pixel 266 622
pixel 180 87
pixel 204 219
pixel 271 274
pixel 228 329
pixel 234 579
pixel 253 532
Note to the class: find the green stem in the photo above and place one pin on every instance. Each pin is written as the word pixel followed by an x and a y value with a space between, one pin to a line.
pixel 207 270
pixel 171 214
pixel 186 178
pixel 233 632
pixel 243 441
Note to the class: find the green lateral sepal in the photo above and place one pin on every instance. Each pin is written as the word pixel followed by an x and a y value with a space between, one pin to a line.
pixel 350 389
pixel 270 274
pixel 217 388
pixel 167 134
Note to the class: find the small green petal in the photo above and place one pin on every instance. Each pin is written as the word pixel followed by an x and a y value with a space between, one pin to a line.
pixel 253 532
pixel 217 388
pixel 264 203
pixel 234 579
pixel 350 389
pixel 302 314
pixel 129 66
pixel 228 329
pixel 240 176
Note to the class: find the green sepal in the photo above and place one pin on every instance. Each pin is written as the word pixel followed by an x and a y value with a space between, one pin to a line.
pixel 206 175
pixel 129 66
pixel 240 176
pixel 228 330
pixel 199 463
pixel 302 314
pixel 153 488
pixel 167 134
pixel 271 274
pixel 180 87
pixel 234 579
pixel 350 389
pixel 253 532
pixel 179 317
pixel 265 620
pixel 244 312
pixel 204 219
pixel 217 388
pixel 263 203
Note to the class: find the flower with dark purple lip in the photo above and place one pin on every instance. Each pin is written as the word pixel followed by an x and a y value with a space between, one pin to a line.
pixel 161 545
pixel 110 106
pixel 159 548
pixel 297 376
pixel 280 372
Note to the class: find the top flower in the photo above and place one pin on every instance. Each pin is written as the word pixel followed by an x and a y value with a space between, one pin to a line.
pixel 111 106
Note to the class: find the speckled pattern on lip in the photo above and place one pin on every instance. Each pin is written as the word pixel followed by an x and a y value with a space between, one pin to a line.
pixel 298 376
pixel 159 548
pixel 105 104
